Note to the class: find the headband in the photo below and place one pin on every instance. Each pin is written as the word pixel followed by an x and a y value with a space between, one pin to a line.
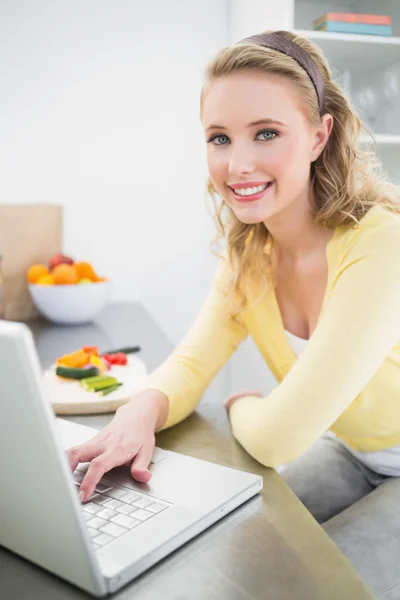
pixel 278 42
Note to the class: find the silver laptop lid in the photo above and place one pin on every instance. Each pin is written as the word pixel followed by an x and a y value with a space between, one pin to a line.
pixel 39 507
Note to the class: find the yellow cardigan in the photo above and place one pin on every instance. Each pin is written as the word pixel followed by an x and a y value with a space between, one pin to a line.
pixel 348 377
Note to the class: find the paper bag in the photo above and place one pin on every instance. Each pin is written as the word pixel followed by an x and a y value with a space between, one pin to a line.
pixel 29 233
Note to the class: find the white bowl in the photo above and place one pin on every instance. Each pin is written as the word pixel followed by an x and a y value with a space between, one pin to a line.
pixel 70 304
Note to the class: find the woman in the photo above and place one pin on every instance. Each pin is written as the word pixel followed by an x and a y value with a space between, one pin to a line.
pixel 310 272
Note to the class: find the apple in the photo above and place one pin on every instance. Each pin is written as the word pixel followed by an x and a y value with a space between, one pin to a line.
pixel 59 259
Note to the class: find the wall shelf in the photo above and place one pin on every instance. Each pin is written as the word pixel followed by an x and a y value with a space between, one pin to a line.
pixel 353 51
pixel 383 139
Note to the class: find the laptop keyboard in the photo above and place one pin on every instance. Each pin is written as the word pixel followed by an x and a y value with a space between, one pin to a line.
pixel 113 511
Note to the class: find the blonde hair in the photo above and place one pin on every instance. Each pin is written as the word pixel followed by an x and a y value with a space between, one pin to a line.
pixel 346 181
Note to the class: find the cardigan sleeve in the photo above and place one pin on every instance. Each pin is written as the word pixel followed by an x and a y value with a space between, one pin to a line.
pixel 208 345
pixel 358 326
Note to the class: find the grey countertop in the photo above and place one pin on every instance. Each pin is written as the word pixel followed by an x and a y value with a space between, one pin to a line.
pixel 268 549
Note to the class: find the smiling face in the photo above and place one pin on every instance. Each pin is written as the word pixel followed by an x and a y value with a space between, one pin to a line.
pixel 260 144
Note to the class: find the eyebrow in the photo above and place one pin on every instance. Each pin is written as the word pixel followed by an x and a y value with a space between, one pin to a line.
pixel 252 124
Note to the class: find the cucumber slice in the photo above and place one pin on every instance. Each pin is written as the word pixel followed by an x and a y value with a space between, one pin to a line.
pixel 110 389
pixel 71 373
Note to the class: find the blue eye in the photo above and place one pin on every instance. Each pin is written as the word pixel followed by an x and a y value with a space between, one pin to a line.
pixel 219 140
pixel 267 135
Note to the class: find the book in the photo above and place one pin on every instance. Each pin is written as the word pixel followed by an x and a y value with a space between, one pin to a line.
pixel 360 28
pixel 354 18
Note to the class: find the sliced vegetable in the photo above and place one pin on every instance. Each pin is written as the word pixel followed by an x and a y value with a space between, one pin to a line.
pixel 91 349
pixel 110 389
pixel 116 359
pixel 76 359
pixel 75 373
pixel 95 379
pixel 79 358
pixel 98 362
pixel 95 386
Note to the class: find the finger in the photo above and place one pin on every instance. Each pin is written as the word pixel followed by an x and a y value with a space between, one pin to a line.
pixel 233 397
pixel 140 464
pixel 99 465
pixel 246 392
pixel 84 453
pixel 229 403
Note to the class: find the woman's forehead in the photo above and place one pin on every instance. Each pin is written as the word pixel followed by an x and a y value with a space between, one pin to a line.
pixel 249 96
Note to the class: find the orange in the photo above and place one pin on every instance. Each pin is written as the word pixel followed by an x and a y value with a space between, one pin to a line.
pixel 64 274
pixel 35 271
pixel 46 280
pixel 85 271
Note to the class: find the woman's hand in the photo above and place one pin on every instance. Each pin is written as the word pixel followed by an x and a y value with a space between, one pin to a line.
pixel 127 440
pixel 233 397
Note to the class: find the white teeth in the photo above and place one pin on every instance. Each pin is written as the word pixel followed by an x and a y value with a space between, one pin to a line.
pixel 250 190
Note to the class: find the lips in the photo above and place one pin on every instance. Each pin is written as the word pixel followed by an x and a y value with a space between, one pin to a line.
pixel 250 192
pixel 247 184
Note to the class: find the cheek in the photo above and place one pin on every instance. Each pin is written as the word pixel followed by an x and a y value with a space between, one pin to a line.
pixel 289 163
pixel 217 168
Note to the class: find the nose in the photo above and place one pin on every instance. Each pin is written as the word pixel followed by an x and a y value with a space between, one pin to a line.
pixel 241 160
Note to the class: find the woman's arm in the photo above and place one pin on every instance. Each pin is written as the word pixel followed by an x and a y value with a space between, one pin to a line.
pixel 358 326
pixel 212 339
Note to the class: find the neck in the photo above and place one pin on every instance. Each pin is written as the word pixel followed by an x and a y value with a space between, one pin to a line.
pixel 295 234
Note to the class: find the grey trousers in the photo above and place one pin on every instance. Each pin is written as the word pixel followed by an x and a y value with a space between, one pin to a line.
pixel 358 508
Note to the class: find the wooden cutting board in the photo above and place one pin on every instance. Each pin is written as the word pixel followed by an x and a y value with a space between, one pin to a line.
pixel 68 397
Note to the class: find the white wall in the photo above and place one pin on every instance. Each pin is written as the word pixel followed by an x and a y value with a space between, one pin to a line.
pixel 248 17
pixel 99 112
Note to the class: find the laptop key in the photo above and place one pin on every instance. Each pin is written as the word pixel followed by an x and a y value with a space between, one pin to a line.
pixel 126 509
pixel 92 508
pixel 143 502
pixel 142 514
pixel 131 497
pixel 96 523
pixel 101 488
pixel 112 503
pixel 115 493
pixel 92 532
pixel 156 507
pixel 125 521
pixel 114 529
pixel 99 499
pixel 106 513
pixel 87 515
pixel 104 539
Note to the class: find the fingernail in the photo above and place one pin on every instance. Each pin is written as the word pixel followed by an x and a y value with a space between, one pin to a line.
pixel 81 496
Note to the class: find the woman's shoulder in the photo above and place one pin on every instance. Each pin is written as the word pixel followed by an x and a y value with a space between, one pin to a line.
pixel 379 226
pixel 377 221
pixel 379 216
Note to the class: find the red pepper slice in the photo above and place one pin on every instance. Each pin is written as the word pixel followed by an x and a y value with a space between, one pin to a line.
pixel 116 359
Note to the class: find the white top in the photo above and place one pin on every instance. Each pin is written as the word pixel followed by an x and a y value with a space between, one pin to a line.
pixel 385 462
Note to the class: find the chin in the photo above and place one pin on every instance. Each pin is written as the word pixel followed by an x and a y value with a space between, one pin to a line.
pixel 252 216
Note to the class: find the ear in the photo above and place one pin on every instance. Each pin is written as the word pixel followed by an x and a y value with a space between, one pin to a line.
pixel 322 135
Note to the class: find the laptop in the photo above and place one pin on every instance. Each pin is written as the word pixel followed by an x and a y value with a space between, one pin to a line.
pixel 127 526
